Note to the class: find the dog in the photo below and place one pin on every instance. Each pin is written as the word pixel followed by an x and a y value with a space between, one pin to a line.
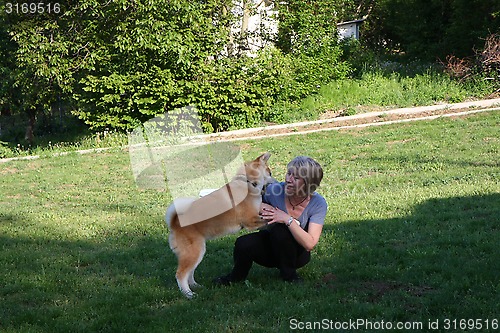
pixel 193 221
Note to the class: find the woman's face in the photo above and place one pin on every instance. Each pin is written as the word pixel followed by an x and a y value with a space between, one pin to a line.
pixel 295 185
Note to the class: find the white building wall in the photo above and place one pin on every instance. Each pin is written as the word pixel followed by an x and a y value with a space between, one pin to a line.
pixel 261 25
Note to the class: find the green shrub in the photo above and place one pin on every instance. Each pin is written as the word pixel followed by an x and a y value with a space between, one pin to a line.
pixel 5 151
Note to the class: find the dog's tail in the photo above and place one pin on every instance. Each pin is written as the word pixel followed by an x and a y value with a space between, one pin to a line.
pixel 170 214
pixel 179 205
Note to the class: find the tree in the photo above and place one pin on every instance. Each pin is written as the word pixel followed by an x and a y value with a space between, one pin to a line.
pixel 432 29
pixel 38 61
pixel 152 56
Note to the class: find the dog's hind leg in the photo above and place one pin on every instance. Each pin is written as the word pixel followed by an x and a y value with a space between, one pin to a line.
pixel 192 283
pixel 189 258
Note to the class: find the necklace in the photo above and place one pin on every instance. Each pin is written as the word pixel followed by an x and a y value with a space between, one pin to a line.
pixel 293 206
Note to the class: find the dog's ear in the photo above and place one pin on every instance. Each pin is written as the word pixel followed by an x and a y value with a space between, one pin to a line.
pixel 264 157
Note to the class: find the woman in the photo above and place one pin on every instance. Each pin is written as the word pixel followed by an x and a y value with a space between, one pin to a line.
pixel 295 215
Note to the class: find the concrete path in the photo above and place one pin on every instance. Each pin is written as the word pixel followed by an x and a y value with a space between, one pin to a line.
pixel 359 120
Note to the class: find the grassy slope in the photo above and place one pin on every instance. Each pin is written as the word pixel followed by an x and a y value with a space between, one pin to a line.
pixel 412 235
pixel 379 89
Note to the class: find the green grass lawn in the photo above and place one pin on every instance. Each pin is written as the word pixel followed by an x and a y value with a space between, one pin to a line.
pixel 412 236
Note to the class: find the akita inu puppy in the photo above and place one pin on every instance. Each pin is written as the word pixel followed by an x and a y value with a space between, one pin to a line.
pixel 227 210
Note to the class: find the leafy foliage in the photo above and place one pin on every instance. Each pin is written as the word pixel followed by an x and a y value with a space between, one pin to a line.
pixel 122 62
pixel 181 62
pixel 432 29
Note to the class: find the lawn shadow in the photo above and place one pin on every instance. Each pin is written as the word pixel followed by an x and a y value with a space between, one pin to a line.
pixel 112 283
pixel 444 257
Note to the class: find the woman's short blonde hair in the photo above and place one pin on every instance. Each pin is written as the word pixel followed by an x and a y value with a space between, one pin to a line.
pixel 307 169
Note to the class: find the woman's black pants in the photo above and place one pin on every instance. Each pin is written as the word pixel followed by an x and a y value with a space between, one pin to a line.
pixel 272 247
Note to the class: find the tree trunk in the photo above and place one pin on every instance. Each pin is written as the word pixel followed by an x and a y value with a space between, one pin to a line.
pixel 29 136
pixel 244 25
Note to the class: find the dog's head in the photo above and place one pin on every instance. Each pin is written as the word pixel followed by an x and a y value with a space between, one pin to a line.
pixel 258 174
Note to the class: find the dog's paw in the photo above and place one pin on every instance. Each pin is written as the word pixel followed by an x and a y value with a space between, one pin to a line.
pixel 189 294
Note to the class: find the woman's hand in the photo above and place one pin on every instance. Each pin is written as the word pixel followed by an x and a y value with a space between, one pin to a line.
pixel 264 205
pixel 273 214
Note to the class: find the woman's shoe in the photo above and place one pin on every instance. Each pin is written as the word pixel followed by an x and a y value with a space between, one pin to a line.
pixel 293 278
pixel 224 280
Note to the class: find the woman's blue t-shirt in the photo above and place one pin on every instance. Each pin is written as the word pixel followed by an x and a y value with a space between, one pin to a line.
pixel 315 211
